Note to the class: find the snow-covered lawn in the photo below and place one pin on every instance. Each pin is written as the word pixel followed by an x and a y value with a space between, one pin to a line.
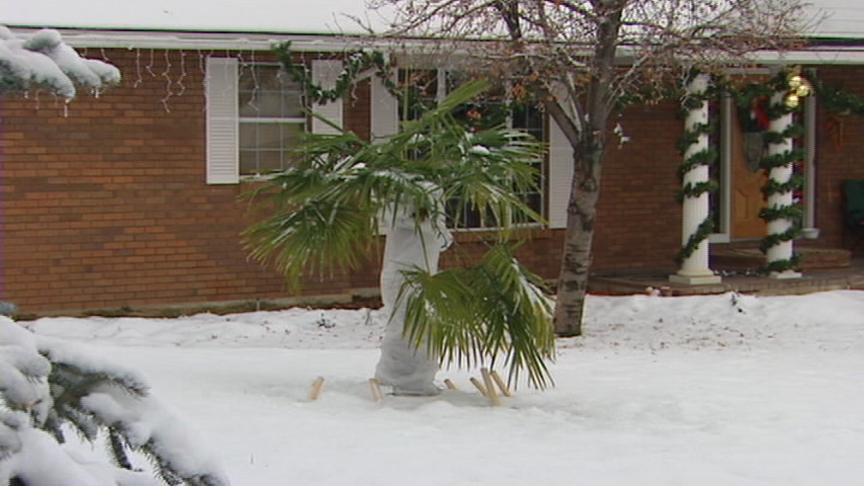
pixel 721 390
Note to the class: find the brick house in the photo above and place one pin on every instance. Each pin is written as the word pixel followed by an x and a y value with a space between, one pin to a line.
pixel 131 198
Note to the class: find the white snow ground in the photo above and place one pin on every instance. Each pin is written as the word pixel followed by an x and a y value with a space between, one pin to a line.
pixel 720 390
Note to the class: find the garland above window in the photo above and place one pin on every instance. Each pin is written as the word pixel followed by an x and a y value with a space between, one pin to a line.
pixel 355 64
pixel 838 101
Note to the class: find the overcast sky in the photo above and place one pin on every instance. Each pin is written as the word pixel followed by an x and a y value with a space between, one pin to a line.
pixel 845 17
pixel 290 16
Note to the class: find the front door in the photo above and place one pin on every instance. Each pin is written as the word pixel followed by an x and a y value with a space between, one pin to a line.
pixel 747 182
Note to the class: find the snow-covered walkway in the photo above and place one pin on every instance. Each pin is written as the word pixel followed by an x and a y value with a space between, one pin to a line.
pixel 723 390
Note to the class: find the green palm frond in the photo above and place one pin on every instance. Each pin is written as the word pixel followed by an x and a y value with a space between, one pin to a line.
pixel 316 237
pixel 490 172
pixel 470 316
pixel 323 212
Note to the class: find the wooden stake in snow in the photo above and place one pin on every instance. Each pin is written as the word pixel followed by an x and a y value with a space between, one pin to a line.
pixel 450 385
pixel 505 390
pixel 478 385
pixel 317 385
pixel 491 394
pixel 375 388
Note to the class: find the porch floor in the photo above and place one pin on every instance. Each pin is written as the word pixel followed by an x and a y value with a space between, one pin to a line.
pixel 814 280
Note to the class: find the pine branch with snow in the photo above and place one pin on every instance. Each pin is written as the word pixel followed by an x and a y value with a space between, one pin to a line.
pixel 42 60
pixel 46 388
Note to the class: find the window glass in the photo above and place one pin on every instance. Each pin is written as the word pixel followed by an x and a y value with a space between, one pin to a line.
pixel 421 93
pixel 272 118
pixel 715 169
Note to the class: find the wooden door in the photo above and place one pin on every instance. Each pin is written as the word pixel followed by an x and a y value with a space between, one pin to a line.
pixel 747 182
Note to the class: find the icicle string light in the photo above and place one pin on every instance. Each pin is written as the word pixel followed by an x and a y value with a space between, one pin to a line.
pixel 253 98
pixel 180 85
pixel 167 76
pixel 201 63
pixel 203 70
pixel 140 79
pixel 241 65
pixel 149 67
pixel 227 84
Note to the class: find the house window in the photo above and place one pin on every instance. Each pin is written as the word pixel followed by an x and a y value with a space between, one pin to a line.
pixel 529 118
pixel 271 117
pixel 425 87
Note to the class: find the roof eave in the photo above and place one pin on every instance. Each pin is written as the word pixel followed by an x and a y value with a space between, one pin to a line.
pixel 821 50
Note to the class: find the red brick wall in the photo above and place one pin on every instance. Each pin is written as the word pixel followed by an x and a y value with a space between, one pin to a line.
pixel 108 207
pixel 358 109
pixel 639 223
pixel 840 153
pixel 638 216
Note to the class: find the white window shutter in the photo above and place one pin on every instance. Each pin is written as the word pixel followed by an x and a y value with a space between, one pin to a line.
pixel 560 175
pixel 325 73
pixel 384 123
pixel 223 165
pixel 384 112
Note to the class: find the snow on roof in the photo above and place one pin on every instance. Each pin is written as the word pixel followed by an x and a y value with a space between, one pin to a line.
pixel 841 18
pixel 276 16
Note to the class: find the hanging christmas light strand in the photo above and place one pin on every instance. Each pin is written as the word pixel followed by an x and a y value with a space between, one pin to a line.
pixel 167 76
pixel 181 87
pixel 140 78
pixel 149 66
pixel 201 63
pixel 203 75
pixel 253 98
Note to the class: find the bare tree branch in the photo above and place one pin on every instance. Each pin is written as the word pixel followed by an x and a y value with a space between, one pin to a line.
pixel 582 58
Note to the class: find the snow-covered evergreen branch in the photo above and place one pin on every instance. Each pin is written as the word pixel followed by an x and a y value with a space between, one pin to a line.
pixel 43 60
pixel 47 387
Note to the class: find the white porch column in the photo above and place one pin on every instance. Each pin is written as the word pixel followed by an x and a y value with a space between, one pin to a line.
pixel 694 268
pixel 782 174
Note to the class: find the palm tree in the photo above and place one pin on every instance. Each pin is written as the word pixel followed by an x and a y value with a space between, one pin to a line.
pixel 327 208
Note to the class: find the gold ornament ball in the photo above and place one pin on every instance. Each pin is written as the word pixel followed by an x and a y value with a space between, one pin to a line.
pixel 792 101
pixel 795 81
pixel 802 91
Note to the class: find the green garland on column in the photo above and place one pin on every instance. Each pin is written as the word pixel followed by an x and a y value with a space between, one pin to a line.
pixel 705 228
pixel 707 157
pixel 792 212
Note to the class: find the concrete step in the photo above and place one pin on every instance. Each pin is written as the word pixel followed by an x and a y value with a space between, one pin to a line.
pixel 742 258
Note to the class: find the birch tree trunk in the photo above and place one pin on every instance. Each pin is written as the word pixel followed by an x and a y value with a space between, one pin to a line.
pixel 589 143
pixel 576 261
